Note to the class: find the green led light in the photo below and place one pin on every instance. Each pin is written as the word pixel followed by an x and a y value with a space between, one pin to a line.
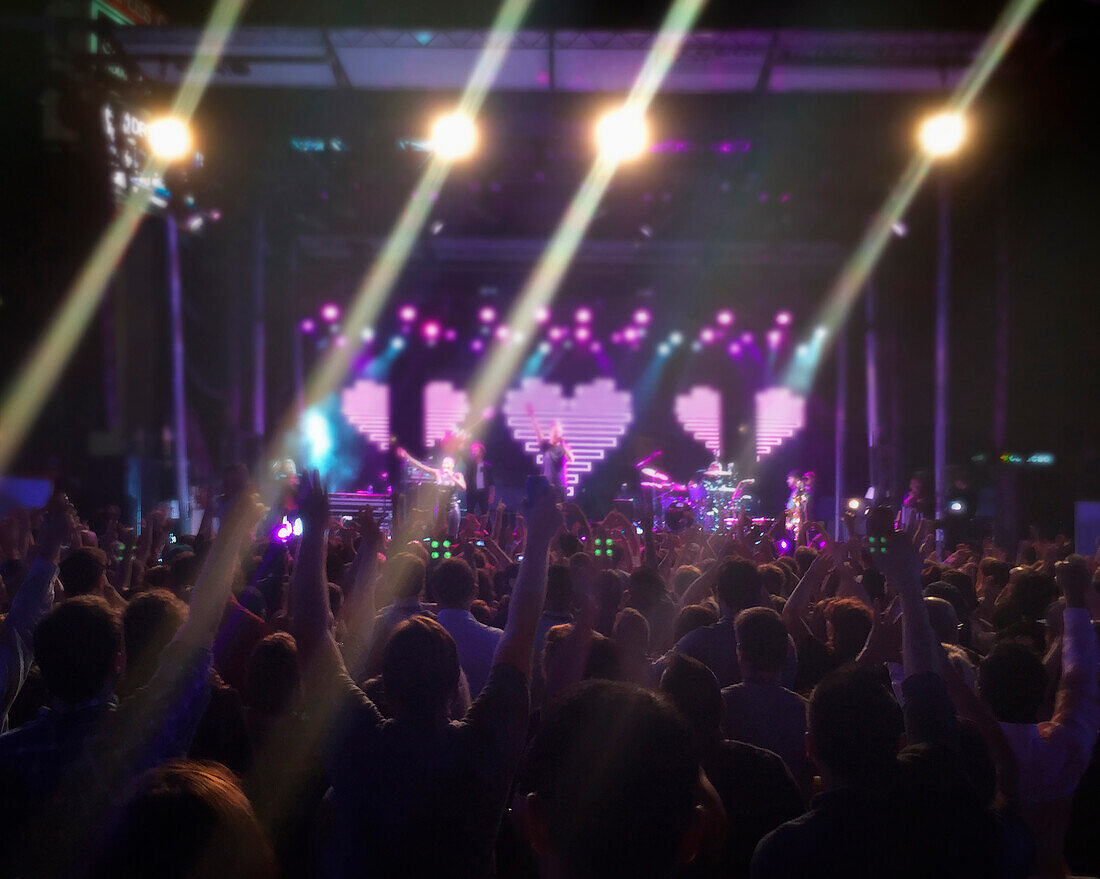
pixel 446 555
pixel 435 544
pixel 435 555
pixel 446 543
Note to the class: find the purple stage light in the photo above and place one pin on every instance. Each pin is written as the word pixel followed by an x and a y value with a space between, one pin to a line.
pixel 616 338
pixel 642 316
pixel 556 334
pixel 503 332
pixel 431 330
pixel 330 311
pixel 596 347
pixel 407 313
pixel 583 315
pixel 630 334
pixel 783 545
pixel 724 317
pixel 706 335
pixel 450 334
pixel 774 338
pixel 542 314
pixel 477 345
pixel 783 318
pixel 583 334
pixel 307 326
pixel 487 314
pixel 734 349
pixel 284 531
pixel 746 338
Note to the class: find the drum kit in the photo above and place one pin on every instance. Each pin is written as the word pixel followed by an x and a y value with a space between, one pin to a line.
pixel 714 498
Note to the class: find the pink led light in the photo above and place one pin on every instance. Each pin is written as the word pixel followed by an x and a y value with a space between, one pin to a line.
pixel 595 419
pixel 783 318
pixel 503 332
pixel 366 407
pixel 706 335
pixel 407 313
pixel 735 349
pixel 642 316
pixel 542 314
pixel 780 414
pixel 583 334
pixel 596 348
pixel 330 311
pixel 445 409
pixel 630 334
pixel 431 330
pixel 699 412
pixel 583 315
pixel 450 334
pixel 487 314
pixel 724 317
pixel 617 338
pixel 746 338
pixel 774 338
pixel 307 326
pixel 556 334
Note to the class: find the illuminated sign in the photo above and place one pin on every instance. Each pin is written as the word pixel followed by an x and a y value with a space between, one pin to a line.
pixel 593 420
pixel 699 412
pixel 445 409
pixel 780 415
pixel 366 406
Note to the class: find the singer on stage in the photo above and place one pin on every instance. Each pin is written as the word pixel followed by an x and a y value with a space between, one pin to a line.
pixel 448 482
pixel 556 454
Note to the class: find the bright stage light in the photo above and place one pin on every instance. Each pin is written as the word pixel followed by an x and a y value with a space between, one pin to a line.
pixel 642 316
pixel 542 314
pixel 431 330
pixel 397 343
pixel 544 347
pixel 802 349
pixel 664 349
pixel 630 334
pixel 746 338
pixel 676 337
pixel 454 136
pixel 622 135
pixel 957 507
pixel 706 335
pixel 583 315
pixel 854 504
pixel 367 334
pixel 307 325
pixel 583 334
pixel 734 349
pixel 407 313
pixel 330 312
pixel 821 332
pixel 169 138
pixel 783 318
pixel 487 314
pixel 942 134
pixel 774 338
pixel 724 317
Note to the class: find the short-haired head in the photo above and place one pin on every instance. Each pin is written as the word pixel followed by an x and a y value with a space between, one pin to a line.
pixel 738 584
pixel 626 810
pixel 761 641
pixel 694 690
pixel 454 584
pixel 420 669
pixel 78 648
pixel 273 678
pixel 692 617
pixel 404 574
pixel 83 571
pixel 855 726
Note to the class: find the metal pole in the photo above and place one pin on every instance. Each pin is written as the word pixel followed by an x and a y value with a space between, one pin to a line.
pixel 943 365
pixel 259 333
pixel 841 426
pixel 179 405
pixel 874 425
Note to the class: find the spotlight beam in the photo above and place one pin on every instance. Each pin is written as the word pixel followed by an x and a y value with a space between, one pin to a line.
pixel 857 269
pixel 497 371
pixel 38 375
pixel 375 288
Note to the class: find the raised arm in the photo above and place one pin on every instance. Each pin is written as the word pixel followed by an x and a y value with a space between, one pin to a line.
pixel 460 479
pixel 1077 704
pixel 902 565
pixel 310 614
pixel 543 519
pixel 535 423
pixel 569 456
pixel 419 465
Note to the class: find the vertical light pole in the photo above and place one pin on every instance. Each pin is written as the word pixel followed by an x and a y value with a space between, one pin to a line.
pixel 170 140
pixel 941 136
pixel 841 427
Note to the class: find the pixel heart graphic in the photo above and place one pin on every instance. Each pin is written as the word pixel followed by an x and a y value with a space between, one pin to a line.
pixel 594 420
pixel 366 406
pixel 780 414
pixel 699 412
pixel 445 408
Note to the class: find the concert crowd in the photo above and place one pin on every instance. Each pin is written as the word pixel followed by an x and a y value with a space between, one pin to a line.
pixel 529 692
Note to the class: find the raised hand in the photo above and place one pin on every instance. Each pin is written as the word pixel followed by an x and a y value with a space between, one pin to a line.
pixel 313 501
pixel 543 517
pixel 1074 580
